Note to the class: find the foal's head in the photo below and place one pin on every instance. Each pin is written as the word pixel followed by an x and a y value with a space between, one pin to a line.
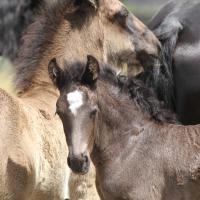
pixel 91 99
pixel 77 108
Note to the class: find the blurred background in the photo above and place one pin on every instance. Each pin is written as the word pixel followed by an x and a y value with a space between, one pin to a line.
pixel 143 9
pixel 6 75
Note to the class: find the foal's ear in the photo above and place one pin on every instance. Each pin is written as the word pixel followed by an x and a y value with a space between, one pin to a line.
pixel 91 72
pixel 56 74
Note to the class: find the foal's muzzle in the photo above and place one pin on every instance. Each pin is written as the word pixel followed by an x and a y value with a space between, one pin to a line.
pixel 79 164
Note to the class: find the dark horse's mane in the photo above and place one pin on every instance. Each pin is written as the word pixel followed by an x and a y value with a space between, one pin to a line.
pixel 142 95
pixel 167 31
pixel 15 16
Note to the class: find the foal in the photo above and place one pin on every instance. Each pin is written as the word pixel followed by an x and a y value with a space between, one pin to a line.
pixel 136 157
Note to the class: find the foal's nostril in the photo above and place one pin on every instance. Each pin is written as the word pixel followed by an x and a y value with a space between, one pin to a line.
pixel 85 157
pixel 86 163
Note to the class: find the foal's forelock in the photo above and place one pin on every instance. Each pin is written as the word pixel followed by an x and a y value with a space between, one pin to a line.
pixel 75 100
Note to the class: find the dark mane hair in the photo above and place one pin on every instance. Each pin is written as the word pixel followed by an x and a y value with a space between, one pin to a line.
pixel 167 30
pixel 142 95
pixel 148 101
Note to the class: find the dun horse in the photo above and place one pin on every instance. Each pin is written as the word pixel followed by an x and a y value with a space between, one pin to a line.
pixel 135 156
pixel 33 148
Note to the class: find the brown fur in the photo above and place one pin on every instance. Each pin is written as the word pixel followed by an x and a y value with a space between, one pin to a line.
pixel 65 31
pixel 70 23
pixel 135 157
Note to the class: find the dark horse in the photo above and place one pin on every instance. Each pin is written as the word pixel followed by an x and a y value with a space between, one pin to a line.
pixel 178 83
pixel 136 157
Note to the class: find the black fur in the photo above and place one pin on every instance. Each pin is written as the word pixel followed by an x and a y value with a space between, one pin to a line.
pixel 161 79
pixel 177 81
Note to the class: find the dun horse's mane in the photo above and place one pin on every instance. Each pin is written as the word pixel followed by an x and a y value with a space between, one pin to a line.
pixel 36 39
pixel 142 95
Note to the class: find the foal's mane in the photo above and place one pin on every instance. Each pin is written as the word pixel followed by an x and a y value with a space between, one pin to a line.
pixel 142 95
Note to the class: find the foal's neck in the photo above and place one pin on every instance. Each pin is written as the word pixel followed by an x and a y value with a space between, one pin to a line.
pixel 119 119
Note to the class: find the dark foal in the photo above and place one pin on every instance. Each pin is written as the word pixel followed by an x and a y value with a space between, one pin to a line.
pixel 136 157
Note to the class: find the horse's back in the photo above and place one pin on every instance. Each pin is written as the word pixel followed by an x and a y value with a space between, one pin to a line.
pixel 9 117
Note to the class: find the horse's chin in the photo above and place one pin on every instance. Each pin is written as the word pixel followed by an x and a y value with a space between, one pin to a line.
pixel 81 172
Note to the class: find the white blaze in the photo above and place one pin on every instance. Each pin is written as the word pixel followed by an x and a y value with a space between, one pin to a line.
pixel 75 100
